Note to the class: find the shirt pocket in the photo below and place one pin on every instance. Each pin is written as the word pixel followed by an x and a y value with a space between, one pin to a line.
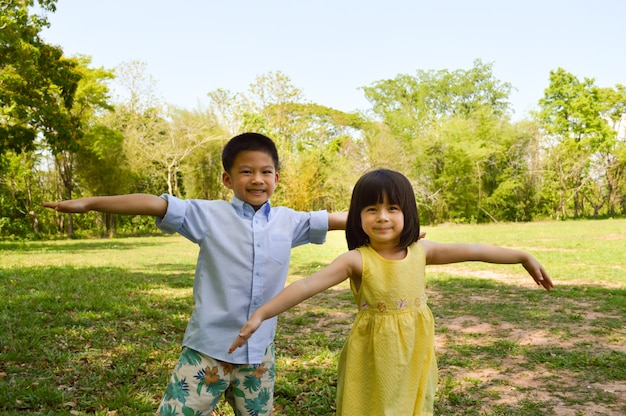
pixel 280 248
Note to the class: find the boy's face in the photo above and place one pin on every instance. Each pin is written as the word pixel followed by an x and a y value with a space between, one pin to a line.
pixel 253 177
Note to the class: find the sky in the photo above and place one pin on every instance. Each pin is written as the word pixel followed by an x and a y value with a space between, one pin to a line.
pixel 330 49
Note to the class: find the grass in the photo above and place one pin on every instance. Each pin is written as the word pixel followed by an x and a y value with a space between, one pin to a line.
pixel 94 326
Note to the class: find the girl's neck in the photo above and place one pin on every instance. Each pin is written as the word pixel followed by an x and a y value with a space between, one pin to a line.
pixel 390 252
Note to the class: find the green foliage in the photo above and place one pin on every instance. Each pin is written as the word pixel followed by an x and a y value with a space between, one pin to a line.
pixel 20 194
pixel 410 105
pixel 37 84
pixel 581 153
pixel 449 131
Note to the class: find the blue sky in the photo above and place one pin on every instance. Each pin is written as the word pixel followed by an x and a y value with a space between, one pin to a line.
pixel 331 48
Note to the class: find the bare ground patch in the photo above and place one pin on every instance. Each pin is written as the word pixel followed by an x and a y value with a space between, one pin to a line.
pixel 504 382
pixel 498 365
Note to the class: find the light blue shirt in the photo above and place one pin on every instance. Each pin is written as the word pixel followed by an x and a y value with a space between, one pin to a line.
pixel 242 264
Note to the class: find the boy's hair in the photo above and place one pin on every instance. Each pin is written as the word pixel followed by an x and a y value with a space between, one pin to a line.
pixel 371 189
pixel 246 142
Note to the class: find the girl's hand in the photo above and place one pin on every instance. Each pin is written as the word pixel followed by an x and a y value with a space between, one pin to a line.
pixel 246 332
pixel 538 273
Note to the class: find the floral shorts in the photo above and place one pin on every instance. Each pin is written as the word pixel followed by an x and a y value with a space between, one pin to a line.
pixel 199 381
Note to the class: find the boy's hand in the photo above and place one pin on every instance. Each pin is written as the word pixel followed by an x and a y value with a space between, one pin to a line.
pixel 246 332
pixel 70 206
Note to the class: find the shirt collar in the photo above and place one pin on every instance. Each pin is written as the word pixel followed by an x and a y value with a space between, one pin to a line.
pixel 243 207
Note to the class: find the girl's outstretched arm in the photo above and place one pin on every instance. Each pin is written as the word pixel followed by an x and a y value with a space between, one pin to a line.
pixel 336 272
pixel 132 204
pixel 439 253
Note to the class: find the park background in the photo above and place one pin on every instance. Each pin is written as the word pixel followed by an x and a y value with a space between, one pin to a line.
pixel 70 128
pixel 85 321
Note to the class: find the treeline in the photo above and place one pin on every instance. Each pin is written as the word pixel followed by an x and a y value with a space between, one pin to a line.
pixel 63 136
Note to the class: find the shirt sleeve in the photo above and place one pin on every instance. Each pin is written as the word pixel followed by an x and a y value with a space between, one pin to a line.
pixel 174 216
pixel 319 227
pixel 311 227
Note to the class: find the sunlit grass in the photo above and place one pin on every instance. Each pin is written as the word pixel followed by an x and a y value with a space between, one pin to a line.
pixel 94 326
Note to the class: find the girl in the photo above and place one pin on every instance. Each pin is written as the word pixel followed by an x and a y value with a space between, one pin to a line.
pixel 387 365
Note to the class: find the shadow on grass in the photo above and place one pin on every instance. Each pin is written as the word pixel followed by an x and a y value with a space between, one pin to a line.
pixel 76 245
pixel 89 339
pixel 503 349
pixel 305 269
pixel 100 339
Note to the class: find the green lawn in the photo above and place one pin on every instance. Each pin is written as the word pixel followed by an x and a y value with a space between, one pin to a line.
pixel 94 326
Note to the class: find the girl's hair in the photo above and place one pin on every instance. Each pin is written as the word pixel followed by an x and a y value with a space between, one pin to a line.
pixel 248 142
pixel 371 189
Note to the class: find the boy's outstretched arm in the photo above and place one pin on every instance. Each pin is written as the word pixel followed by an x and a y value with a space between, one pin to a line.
pixel 337 221
pixel 132 204
pixel 438 253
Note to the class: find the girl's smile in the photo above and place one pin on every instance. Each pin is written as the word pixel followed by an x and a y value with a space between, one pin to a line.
pixel 382 222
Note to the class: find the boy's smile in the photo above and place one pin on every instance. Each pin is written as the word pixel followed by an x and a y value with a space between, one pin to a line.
pixel 253 177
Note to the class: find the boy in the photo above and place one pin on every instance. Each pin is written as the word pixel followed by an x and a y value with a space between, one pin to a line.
pixel 245 247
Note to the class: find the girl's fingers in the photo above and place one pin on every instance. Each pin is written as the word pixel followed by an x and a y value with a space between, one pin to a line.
pixel 241 339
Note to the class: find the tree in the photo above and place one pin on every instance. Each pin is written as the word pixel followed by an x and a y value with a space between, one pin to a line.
pixel 449 129
pixel 102 167
pixel 315 142
pixel 571 114
pixel 20 194
pixel 318 149
pixel 91 99
pixel 410 105
pixel 228 108
pixel 37 83
pixel 140 117
pixel 614 157
pixel 188 132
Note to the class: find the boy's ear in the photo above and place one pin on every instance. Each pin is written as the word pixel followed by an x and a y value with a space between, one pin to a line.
pixel 226 180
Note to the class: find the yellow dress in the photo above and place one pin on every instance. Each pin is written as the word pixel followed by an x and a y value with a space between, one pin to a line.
pixel 387 365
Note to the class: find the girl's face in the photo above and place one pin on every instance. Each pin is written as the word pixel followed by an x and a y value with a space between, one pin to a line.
pixel 383 223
